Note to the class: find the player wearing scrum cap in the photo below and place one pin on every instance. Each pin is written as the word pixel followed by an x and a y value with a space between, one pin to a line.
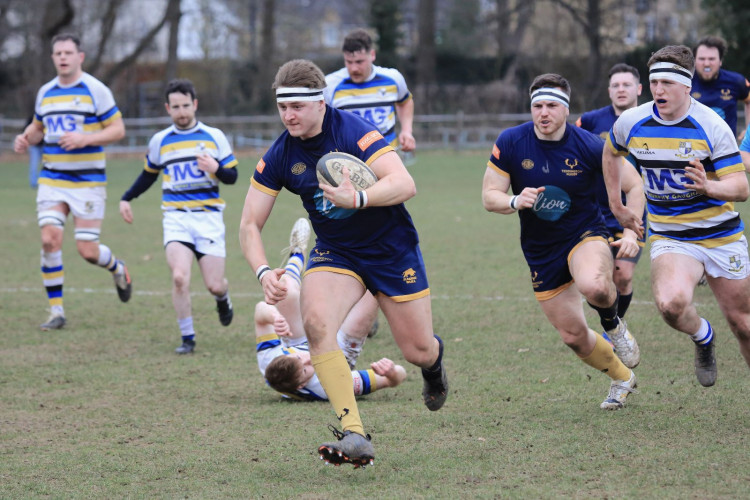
pixel 368 245
pixel 551 167
pixel 692 175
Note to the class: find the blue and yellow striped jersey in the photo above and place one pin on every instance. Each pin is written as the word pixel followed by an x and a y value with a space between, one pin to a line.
pixel 173 152
pixel 662 150
pixel 86 106
pixel 374 100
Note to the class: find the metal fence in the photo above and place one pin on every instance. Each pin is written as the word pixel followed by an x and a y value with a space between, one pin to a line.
pixel 456 131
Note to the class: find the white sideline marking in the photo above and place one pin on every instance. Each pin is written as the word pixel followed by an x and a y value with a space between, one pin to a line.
pixel 258 295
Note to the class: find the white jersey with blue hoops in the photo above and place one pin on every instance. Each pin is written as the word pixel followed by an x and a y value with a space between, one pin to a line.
pixel 662 150
pixel 85 106
pixel 374 99
pixel 174 152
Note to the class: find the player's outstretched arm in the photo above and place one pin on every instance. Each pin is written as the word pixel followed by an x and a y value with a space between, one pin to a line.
pixel 257 208
pixel 387 373
pixel 405 113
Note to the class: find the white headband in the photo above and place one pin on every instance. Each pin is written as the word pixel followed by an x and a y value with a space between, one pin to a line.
pixel 670 71
pixel 550 94
pixel 289 94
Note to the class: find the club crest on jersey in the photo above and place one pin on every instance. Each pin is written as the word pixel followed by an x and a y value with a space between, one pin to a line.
pixel 573 168
pixel 685 148
pixel 527 164
pixel 409 276
pixel 551 204
pixel 298 168
pixel 726 94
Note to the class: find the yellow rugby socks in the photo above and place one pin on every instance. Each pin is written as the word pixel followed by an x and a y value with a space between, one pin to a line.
pixel 604 359
pixel 336 378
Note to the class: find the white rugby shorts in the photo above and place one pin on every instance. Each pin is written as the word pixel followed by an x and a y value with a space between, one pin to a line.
pixel 204 230
pixel 727 261
pixel 85 203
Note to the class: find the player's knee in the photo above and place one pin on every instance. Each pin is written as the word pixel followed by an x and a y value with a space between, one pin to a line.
pixel 671 309
pixel 420 354
pixel 180 279
pixel 217 288
pixel 89 250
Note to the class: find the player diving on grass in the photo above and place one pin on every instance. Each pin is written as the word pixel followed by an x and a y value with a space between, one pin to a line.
pixel 282 349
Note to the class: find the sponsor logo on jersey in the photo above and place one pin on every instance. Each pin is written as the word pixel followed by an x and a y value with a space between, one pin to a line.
pixel 496 151
pixel 298 168
pixel 409 276
pixel 368 139
pixel 551 204
pixel 527 164
pixel 696 95
pixel 644 150
pixel 260 166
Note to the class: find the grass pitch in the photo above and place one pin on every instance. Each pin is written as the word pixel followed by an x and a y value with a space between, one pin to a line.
pixel 105 409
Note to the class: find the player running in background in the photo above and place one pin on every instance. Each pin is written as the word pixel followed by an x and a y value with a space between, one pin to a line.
pixel 75 115
pixel 718 88
pixel 281 345
pixel 624 89
pixel 377 94
pixel 552 168
pixel 193 158
pixel 365 242
pixel 692 175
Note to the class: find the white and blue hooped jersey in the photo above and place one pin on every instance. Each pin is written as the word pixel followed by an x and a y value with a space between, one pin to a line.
pixel 86 106
pixel 173 152
pixel 374 100
pixel 662 150
pixel 269 347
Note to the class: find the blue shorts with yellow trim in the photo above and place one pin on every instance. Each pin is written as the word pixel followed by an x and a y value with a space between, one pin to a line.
pixel 401 278
pixel 550 273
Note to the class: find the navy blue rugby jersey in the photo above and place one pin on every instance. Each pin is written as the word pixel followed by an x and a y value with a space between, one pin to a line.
pixel 570 164
pixel 381 232
pixel 598 121
pixel 722 94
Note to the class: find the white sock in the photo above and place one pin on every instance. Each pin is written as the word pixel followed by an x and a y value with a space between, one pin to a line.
pixel 351 346
pixel 705 333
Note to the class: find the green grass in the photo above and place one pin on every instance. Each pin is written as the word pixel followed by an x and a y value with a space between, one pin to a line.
pixel 104 409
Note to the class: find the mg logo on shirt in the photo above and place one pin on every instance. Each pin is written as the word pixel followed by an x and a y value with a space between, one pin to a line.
pixel 59 124
pixel 659 178
pixel 188 170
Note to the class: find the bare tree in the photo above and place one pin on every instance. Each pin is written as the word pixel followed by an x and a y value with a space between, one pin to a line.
pixel 143 43
pixel 267 57
pixel 426 53
pixel 173 16
pixel 107 28
pixel 511 25
pixel 588 15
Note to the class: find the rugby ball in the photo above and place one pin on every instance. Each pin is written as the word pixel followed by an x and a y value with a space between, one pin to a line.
pixel 330 166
